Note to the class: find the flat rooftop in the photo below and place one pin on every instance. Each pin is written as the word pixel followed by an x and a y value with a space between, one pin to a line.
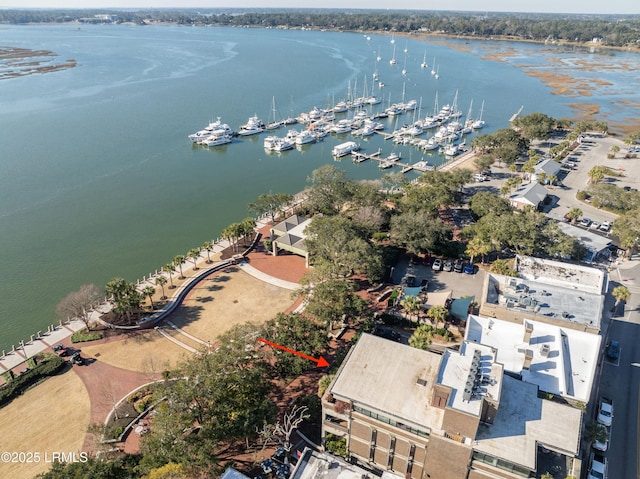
pixel 383 375
pixel 559 273
pixel 563 359
pixel 592 241
pixel 523 420
pixel 314 464
pixel 565 300
pixel 484 379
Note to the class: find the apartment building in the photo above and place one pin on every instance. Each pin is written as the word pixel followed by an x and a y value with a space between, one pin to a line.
pixel 417 414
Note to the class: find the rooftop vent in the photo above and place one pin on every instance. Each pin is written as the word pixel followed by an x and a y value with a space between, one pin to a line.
pixel 421 382
pixel 544 350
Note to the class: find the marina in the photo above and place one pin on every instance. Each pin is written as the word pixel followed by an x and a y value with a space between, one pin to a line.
pixel 74 214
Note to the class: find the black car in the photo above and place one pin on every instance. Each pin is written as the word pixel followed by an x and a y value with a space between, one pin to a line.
pixel 458 265
pixel 387 334
pixel 613 350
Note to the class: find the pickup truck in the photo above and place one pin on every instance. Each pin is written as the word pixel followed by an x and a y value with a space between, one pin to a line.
pixel 597 466
pixel 605 412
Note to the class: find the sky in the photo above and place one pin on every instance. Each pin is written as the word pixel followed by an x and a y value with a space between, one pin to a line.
pixel 548 6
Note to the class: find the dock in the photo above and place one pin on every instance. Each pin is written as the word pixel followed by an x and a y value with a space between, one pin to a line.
pixel 359 157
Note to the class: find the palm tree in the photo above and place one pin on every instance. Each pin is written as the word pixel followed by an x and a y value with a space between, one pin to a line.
pixel 193 255
pixel 614 150
pixel 594 431
pixel 411 304
pixel 622 295
pixel 208 247
pixel 438 313
pixel 179 260
pixel 161 281
pixel 596 174
pixel 421 337
pixel 170 269
pixel 574 214
pixel 477 247
pixel 247 227
pixel 149 291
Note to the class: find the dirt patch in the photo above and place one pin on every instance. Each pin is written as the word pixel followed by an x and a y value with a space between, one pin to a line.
pixel 53 416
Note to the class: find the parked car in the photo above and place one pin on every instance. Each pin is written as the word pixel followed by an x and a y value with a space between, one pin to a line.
pixel 605 226
pixel 594 225
pixel 469 268
pixel 437 264
pixel 605 412
pixel 597 466
pixel 585 222
pixel 613 350
pixel 458 265
pixel 448 265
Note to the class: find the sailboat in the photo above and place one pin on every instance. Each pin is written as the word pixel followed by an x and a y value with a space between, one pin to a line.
pixel 433 66
pixel 479 123
pixel 437 75
pixel 393 40
pixel 393 57
pixel 406 49
pixel 378 58
pixel 404 68
pixel 424 61
pixel 275 123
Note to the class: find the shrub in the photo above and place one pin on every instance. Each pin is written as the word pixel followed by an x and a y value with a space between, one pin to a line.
pixel 84 336
pixel 50 365
pixel 335 444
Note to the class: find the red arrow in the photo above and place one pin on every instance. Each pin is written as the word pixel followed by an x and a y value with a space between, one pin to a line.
pixel 320 362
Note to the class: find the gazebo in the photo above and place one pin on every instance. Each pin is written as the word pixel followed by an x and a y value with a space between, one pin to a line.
pixel 289 235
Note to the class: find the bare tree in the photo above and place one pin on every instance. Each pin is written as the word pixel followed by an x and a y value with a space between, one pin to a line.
pixel 77 304
pixel 290 423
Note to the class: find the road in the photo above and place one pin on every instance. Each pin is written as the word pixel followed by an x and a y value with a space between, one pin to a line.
pixel 620 380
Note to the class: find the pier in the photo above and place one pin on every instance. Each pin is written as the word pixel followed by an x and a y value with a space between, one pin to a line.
pixel 516 114
pixel 359 157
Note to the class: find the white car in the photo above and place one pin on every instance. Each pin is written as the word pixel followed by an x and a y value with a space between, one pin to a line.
pixel 594 225
pixel 605 226
pixel 597 466
pixel 605 413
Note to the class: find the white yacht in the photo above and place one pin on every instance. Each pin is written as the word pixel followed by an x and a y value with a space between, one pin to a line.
pixel 253 126
pixel 304 137
pixel 219 138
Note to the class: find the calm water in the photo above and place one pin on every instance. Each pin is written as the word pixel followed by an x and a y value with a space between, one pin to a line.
pixel 98 178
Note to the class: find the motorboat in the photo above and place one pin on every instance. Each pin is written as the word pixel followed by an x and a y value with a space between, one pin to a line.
pixel 216 139
pixel 304 137
pixel 253 126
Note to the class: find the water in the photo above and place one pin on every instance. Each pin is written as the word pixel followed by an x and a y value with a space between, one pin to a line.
pixel 98 178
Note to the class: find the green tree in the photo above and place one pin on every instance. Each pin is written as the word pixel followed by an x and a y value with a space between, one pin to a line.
pixel 324 383
pixel 485 202
pixel 419 232
pixel 337 246
pixel 503 267
pixel 329 189
pixel 194 255
pixel 331 300
pixel 621 293
pixel 535 126
pixel 298 333
pixel 614 150
pixel 271 204
pixel 161 281
pixel 438 314
pixel 627 228
pixel 594 431
pixel 170 268
pixel 125 297
pixel 149 291
pixel 596 174
pixel 178 261
pixel 412 305
pixel 212 398
pixel 574 214
pixel 478 247
pixel 208 247
pixel 421 337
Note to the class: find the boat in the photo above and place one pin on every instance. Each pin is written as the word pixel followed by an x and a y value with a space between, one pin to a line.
pixel 437 75
pixel 304 137
pixel 343 126
pixel 274 123
pixel 253 126
pixel 424 65
pixel 393 57
pixel 283 144
pixel 217 139
pixel 383 165
pixel 394 157
pixel 344 149
pixel 210 129
pixel 479 123
pixel 433 66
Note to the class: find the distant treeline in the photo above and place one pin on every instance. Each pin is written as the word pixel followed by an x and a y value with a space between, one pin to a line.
pixel 610 30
